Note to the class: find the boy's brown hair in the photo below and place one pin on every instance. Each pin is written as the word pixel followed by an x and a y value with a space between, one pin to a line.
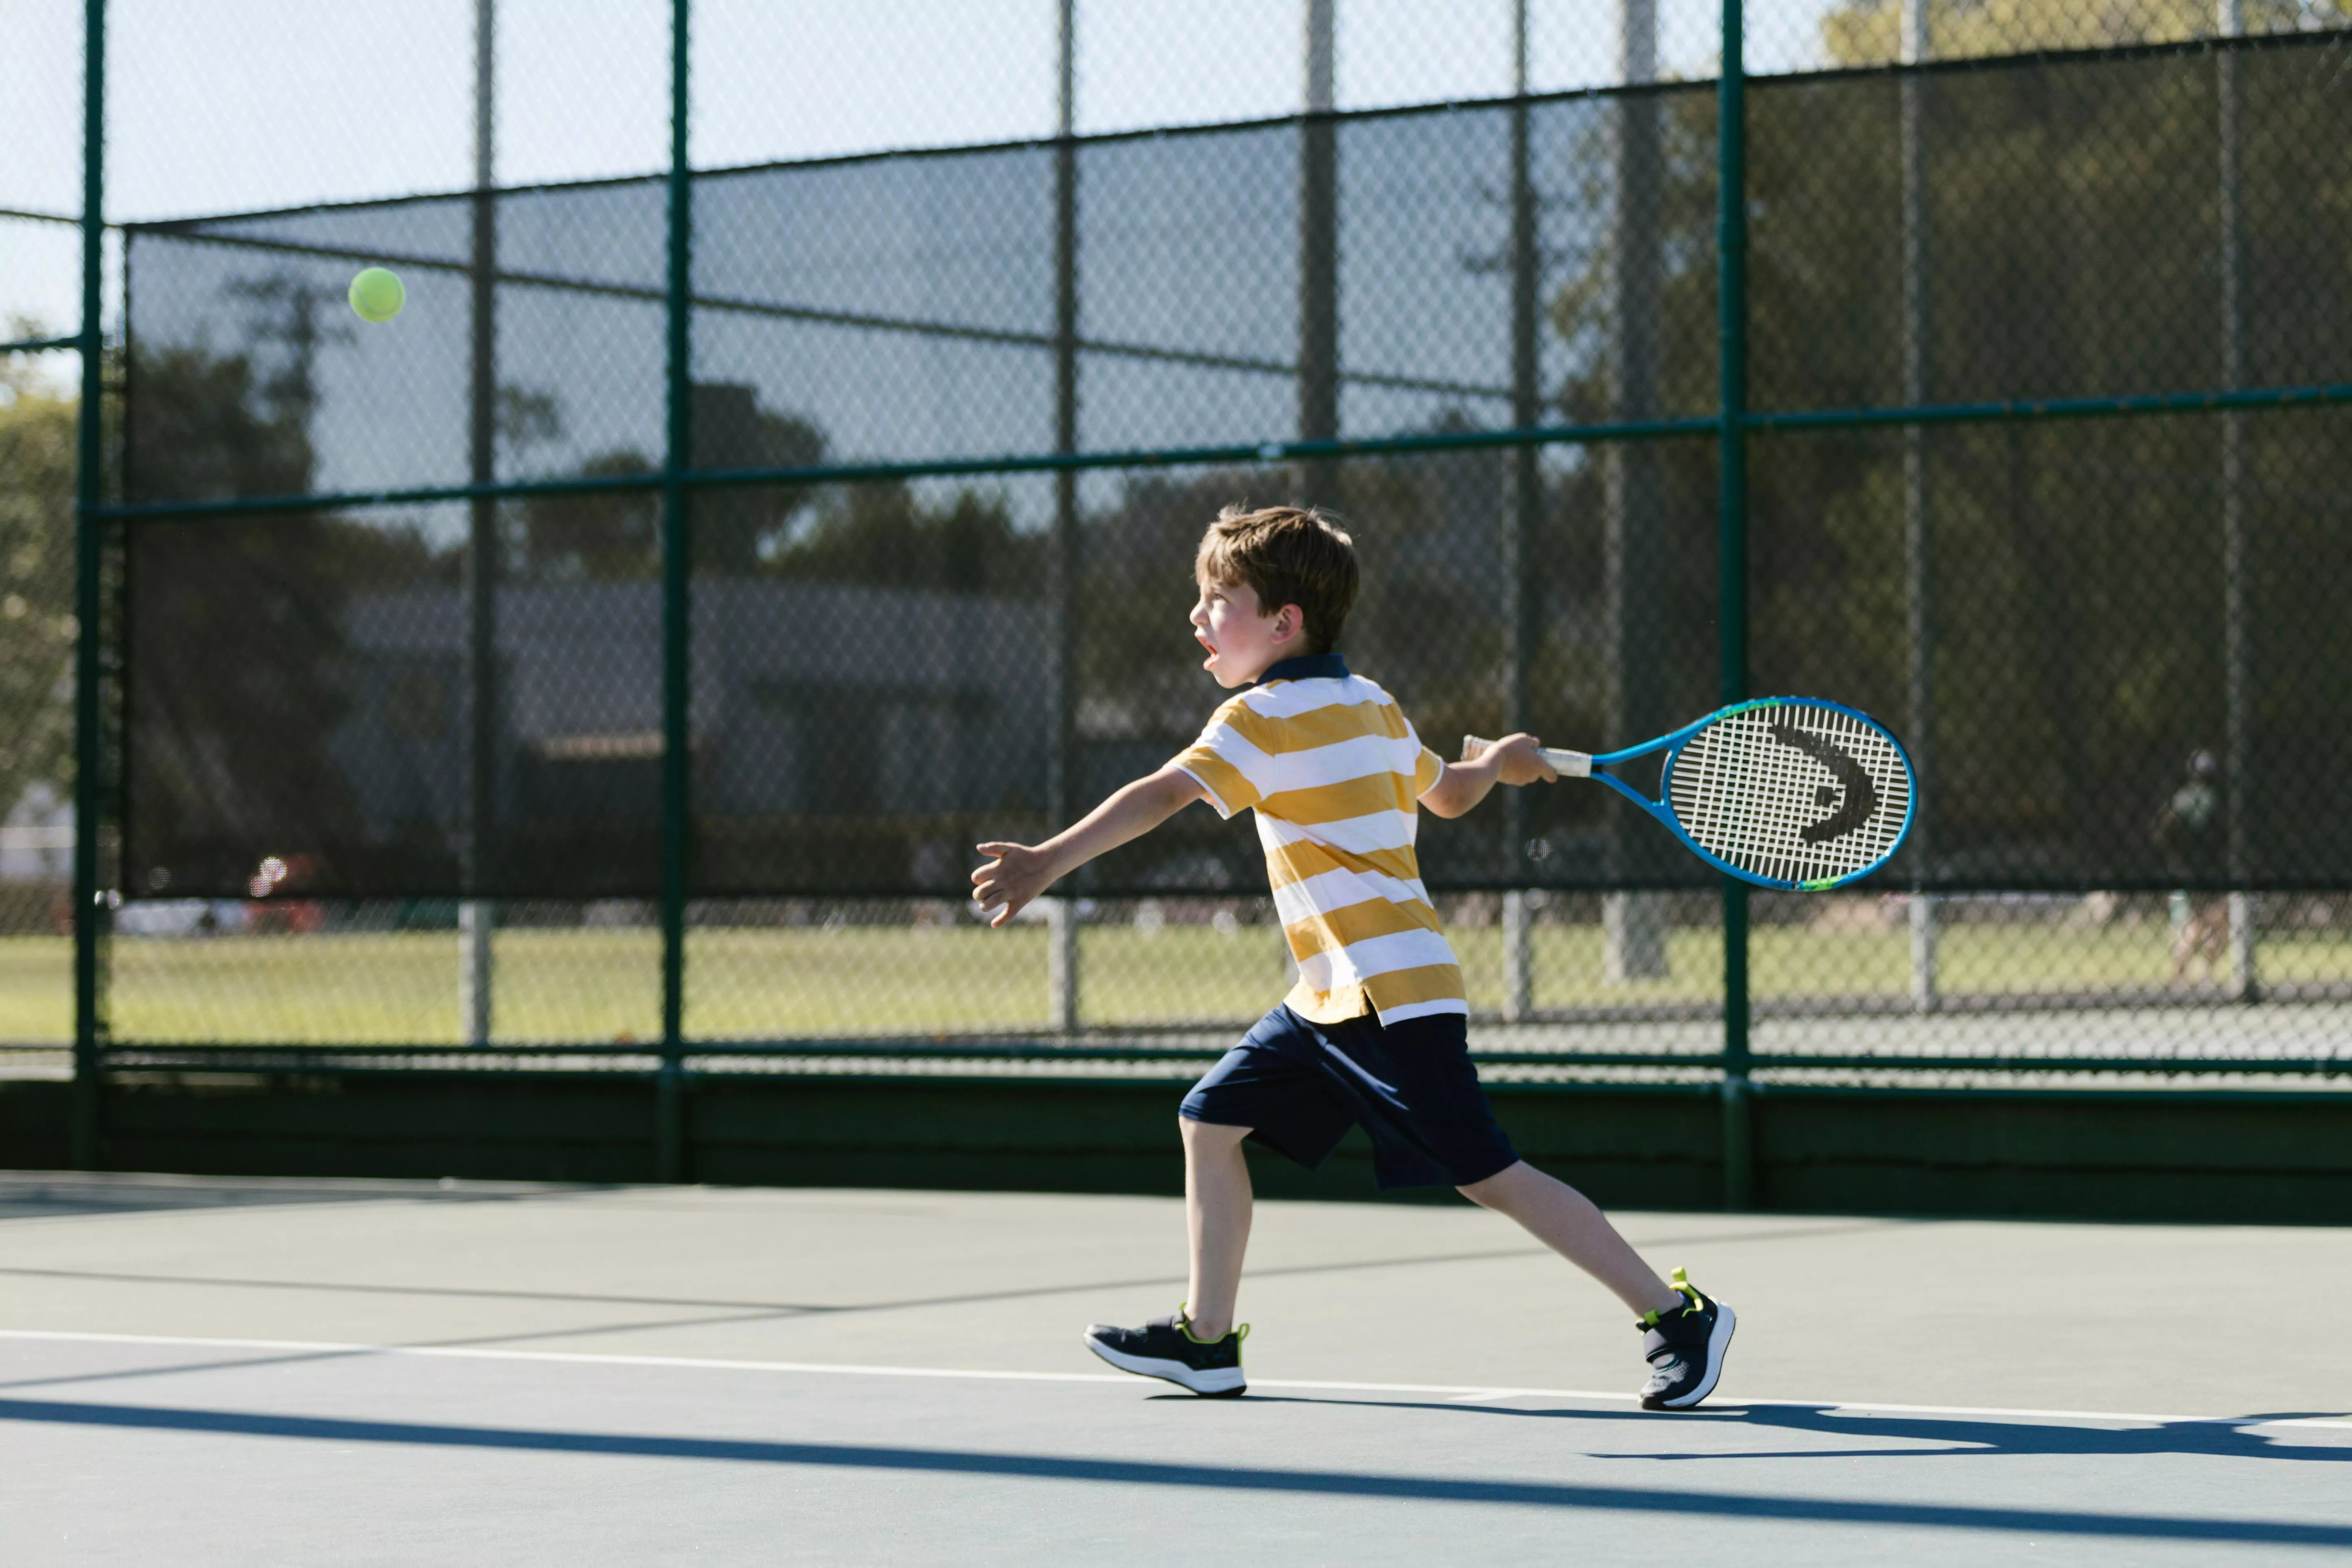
pixel 1285 555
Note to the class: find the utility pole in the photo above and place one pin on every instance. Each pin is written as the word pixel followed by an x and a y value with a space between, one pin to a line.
pixel 477 917
pixel 1521 514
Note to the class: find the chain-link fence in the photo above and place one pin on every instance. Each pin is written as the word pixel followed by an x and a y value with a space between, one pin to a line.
pixel 615 658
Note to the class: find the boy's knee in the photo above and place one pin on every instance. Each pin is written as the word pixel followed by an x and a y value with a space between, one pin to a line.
pixel 1210 1134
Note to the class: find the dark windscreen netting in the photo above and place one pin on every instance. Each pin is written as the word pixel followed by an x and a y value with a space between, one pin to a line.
pixel 2078 672
pixel 1619 644
pixel 872 690
pixel 305 705
pixel 872 677
pixel 244 321
pixel 365 699
pixel 903 309
pixel 2068 229
pixel 872 664
pixel 295 703
pixel 2066 239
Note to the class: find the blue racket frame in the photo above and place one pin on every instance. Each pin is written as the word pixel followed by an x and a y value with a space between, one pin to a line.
pixel 1673 745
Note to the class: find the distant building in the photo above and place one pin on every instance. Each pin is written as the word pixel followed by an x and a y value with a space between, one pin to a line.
pixel 808 700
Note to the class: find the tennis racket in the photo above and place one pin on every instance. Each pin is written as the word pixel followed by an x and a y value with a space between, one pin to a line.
pixel 1784 791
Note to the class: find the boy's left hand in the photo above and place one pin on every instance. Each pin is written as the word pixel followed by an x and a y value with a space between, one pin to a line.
pixel 1016 874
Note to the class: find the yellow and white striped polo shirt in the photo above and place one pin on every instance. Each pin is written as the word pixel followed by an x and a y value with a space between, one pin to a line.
pixel 1334 772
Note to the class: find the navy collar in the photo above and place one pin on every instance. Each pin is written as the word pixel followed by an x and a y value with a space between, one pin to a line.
pixel 1306 667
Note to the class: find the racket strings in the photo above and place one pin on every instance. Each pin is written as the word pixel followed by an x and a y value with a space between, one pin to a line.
pixel 1748 796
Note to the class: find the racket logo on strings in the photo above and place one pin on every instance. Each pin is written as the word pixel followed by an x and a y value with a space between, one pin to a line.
pixel 1860 796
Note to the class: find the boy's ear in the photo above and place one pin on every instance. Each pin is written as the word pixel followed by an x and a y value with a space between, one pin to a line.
pixel 1288 622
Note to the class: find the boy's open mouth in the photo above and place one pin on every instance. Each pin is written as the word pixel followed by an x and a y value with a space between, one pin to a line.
pixel 1206 644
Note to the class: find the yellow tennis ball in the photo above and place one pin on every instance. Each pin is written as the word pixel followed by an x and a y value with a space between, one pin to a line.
pixel 377 295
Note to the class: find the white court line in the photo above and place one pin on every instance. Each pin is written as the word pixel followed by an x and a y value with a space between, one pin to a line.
pixel 1459 1394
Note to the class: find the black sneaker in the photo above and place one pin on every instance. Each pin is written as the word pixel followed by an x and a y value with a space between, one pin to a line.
pixel 1685 1347
pixel 1165 1347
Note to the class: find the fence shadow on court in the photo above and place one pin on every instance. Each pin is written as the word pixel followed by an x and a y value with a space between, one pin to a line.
pixel 1131 1472
pixel 1952 1435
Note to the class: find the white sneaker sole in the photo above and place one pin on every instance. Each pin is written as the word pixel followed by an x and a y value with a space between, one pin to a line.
pixel 1717 1342
pixel 1220 1380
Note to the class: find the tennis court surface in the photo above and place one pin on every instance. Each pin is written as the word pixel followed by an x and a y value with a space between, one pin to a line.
pixel 198 1371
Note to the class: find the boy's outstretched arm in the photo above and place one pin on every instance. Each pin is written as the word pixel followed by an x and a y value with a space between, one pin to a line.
pixel 1019 872
pixel 1513 760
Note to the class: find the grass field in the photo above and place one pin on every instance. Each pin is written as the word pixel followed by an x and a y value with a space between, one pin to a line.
pixel 575 984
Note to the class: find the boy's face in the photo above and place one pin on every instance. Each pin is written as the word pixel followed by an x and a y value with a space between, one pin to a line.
pixel 1244 640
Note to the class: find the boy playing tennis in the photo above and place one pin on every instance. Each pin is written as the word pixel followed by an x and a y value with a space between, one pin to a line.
pixel 1375 1032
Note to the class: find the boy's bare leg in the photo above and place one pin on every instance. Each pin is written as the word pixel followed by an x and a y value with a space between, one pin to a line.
pixel 1217 1208
pixel 1567 1221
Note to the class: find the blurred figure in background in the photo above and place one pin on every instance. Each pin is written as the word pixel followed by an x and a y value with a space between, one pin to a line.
pixel 2188 830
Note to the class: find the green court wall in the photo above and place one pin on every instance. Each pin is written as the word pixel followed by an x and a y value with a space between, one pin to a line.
pixel 2241 1158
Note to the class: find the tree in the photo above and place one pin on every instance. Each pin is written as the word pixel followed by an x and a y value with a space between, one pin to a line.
pixel 607 536
pixel 1866 35
pixel 36 556
pixel 738 531
pixel 886 534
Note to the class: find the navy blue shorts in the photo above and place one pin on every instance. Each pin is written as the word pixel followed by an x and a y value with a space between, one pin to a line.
pixel 1299 1086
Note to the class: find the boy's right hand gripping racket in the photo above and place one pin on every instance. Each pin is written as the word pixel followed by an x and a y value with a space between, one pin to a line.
pixel 1784 791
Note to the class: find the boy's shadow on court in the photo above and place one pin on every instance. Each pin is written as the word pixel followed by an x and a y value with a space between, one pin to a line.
pixel 1951 1437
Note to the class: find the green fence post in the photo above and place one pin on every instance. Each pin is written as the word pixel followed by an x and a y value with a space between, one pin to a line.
pixel 677 585
pixel 1731 322
pixel 90 913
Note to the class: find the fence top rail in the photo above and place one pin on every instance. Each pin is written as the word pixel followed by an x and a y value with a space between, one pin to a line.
pixel 35 215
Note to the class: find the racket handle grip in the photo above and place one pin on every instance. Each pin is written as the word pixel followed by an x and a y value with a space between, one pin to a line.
pixel 1567 765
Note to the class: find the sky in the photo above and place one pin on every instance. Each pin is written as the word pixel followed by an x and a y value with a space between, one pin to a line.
pixel 237 105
